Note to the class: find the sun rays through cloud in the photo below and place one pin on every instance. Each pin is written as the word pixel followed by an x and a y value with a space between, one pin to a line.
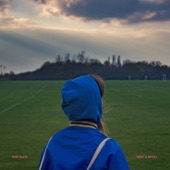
pixel 35 31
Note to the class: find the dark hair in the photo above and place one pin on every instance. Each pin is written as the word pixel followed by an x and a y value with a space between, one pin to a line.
pixel 100 83
pixel 102 125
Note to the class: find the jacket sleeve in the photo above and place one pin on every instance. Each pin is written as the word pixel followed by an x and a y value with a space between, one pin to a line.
pixel 118 161
pixel 44 159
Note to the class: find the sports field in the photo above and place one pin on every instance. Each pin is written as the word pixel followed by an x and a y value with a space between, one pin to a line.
pixel 138 117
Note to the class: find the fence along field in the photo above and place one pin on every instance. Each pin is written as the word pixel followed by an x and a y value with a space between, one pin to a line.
pixel 138 118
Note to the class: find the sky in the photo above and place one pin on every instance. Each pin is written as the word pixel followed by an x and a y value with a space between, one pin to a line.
pixel 35 31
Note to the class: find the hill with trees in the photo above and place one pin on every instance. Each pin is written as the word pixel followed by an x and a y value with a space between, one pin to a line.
pixel 67 67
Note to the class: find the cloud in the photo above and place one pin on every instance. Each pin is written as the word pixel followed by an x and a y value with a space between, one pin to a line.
pixel 129 11
pixel 49 7
pixel 12 22
pixel 14 14
pixel 153 1
pixel 4 6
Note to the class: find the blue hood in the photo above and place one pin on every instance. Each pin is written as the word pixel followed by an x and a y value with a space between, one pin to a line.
pixel 81 99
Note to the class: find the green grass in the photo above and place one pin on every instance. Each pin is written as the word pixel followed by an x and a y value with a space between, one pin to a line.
pixel 138 119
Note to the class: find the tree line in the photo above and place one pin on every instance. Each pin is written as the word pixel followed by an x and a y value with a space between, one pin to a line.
pixel 67 67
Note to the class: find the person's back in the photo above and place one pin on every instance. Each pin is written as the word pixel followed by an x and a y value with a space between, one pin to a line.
pixel 73 147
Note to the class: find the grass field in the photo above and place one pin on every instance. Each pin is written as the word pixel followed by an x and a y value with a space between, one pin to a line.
pixel 138 118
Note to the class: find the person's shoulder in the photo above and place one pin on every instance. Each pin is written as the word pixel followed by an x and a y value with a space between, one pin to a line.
pixel 112 145
pixel 112 141
pixel 61 131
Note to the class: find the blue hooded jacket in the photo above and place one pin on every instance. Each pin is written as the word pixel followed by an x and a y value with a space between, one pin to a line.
pixel 81 99
pixel 73 147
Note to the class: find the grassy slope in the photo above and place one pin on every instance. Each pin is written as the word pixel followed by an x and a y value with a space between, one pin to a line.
pixel 30 114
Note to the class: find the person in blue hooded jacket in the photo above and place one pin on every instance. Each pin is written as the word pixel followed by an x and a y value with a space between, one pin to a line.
pixel 73 147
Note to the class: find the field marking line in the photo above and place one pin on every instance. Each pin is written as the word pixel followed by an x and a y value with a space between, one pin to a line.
pixel 133 95
pixel 156 89
pixel 37 92
pixel 11 107
pixel 161 91
pixel 41 89
pixel 26 99
pixel 116 90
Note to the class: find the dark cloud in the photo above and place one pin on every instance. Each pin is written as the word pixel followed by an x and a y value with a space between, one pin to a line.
pixel 41 1
pixel 125 10
pixel 4 5
pixel 98 9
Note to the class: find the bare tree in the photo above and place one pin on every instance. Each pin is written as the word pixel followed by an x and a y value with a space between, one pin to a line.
pixel 81 57
pixel 1 66
pixel 118 61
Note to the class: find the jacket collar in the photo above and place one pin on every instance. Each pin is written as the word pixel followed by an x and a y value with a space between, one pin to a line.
pixel 86 124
